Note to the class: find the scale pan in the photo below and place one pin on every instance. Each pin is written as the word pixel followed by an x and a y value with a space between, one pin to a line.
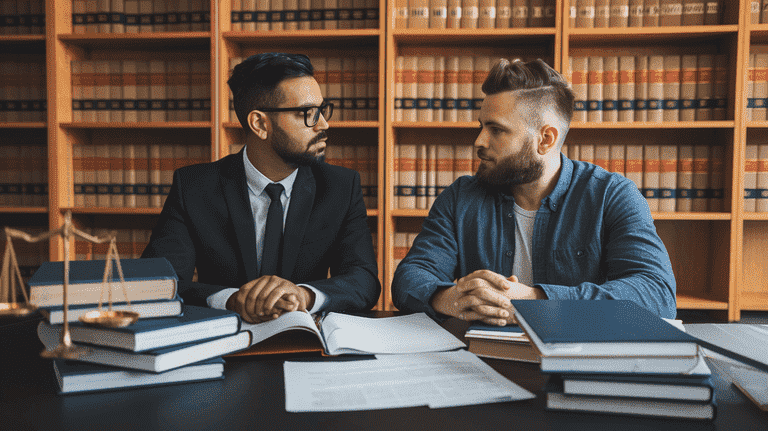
pixel 109 319
pixel 17 309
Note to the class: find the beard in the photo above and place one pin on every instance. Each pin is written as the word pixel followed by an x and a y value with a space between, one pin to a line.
pixel 283 145
pixel 513 170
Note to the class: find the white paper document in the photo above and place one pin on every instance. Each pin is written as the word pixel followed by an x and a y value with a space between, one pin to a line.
pixel 442 379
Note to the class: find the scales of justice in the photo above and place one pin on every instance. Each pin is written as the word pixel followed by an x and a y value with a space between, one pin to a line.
pixel 11 275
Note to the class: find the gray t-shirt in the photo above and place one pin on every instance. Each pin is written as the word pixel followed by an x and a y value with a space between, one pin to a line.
pixel 522 266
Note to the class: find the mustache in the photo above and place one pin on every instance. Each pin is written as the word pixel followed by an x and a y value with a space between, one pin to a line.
pixel 317 138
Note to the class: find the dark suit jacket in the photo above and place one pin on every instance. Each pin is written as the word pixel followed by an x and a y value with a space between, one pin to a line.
pixel 207 223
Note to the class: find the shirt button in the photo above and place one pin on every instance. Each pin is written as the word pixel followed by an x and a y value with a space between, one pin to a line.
pixel 579 253
pixel 510 215
pixel 509 254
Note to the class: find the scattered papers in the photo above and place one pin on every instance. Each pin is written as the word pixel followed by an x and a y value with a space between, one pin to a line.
pixel 437 380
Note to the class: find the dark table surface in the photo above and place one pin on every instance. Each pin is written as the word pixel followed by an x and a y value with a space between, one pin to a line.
pixel 251 396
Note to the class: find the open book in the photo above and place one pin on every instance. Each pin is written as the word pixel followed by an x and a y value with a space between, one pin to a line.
pixel 342 333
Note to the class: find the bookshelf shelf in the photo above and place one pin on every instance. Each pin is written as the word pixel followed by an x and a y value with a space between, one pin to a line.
pixel 409 213
pixel 664 125
pixel 22 38
pixel 372 212
pixel 469 34
pixel 689 302
pixel 690 216
pixel 435 125
pixel 23 210
pixel 351 38
pixel 757 124
pixel 24 125
pixel 753 216
pixel 757 301
pixel 198 41
pixel 106 210
pixel 155 125
pixel 651 34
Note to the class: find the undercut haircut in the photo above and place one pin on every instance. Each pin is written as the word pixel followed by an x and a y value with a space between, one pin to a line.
pixel 535 84
pixel 254 81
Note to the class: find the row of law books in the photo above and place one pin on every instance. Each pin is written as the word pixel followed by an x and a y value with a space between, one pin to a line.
pixel 644 13
pixel 629 361
pixel 29 255
pixel 440 88
pixel 363 159
pixel 23 175
pixel 422 171
pixel 673 178
pixel 757 85
pixel 129 175
pixel 474 13
pixel 140 91
pixel 22 90
pixel 655 88
pixel 351 84
pixel 22 17
pixel 139 16
pixel 289 15
pixel 401 244
pixel 756 178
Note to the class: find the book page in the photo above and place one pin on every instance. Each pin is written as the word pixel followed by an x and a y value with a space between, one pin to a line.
pixel 288 321
pixel 442 379
pixel 414 333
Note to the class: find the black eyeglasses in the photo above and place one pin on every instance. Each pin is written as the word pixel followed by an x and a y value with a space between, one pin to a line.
pixel 311 113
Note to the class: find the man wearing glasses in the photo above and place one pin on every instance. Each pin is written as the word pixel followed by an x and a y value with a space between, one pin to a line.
pixel 264 227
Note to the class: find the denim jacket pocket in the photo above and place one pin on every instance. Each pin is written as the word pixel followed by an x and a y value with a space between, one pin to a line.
pixel 574 265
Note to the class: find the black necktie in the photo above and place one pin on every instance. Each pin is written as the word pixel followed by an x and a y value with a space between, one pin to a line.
pixel 273 233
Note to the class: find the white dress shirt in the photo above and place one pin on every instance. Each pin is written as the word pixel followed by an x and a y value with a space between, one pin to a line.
pixel 260 201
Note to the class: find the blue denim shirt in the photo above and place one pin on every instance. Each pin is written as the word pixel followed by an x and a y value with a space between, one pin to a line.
pixel 593 238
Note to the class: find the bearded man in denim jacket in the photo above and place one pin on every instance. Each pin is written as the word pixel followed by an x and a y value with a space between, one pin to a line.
pixel 532 224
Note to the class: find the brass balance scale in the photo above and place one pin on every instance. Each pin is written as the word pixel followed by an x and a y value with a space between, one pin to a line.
pixel 11 275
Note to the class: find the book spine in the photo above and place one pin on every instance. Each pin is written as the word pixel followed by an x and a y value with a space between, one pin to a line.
pixel 655 103
pixel 635 13
pixel 129 175
pixel 626 103
pixel 603 156
pixel 642 76
pixel 503 13
pixel 585 14
pixel 157 91
pixel 480 73
pixel 520 14
pixel 720 87
pixel 610 89
pixel 320 73
pixel 116 173
pixel 688 88
pixel 450 103
pixel 763 12
pixel 602 14
pixel 670 13
pixel 102 167
pixel 439 89
pixel 101 90
pixel 633 168
pixel 754 12
pixel 395 201
pixel 487 11
pixel 750 178
pixel 712 13
pixel 595 90
pixel 574 151
pixel 671 109
pixel 469 13
pixel 619 13
pixel 277 15
pixel 78 174
pixel 407 195
pixel 580 85
pixel 418 13
pixel 410 87
pixel 77 89
pixel 704 84
pixel 360 103
pixel 749 88
pixel 116 96
pixel 462 163
pixel 760 87
pixel 587 153
pixel 167 166
pixel 651 13
pixel 444 167
pixel 716 179
pixel 438 14
pixel 667 177
pixel 536 13
pixel 422 174
pixel 700 178
pixel 466 91
pixel 761 198
pixel 399 72
pixel 347 89
pixel 159 17
pixel 684 192
pixel 693 12
pixel 617 162
pixel 651 171
pixel 454 14
pixel 425 78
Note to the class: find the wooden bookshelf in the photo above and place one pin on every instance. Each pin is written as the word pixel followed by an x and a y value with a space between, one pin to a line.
pixel 718 257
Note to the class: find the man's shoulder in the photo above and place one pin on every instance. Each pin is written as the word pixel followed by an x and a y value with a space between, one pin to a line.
pixel 202 173
pixel 332 173
pixel 585 172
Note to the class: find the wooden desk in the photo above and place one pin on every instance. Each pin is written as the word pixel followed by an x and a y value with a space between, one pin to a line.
pixel 252 396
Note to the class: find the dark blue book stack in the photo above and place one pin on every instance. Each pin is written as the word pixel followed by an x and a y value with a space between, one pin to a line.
pixel 615 357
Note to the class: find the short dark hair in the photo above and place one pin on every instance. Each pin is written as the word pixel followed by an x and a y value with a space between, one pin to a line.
pixel 533 81
pixel 254 81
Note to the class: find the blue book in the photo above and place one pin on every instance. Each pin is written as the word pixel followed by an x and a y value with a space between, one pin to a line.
pixel 73 376
pixel 600 328
pixel 197 323
pixel 145 279
pixel 635 406
pixel 155 361
pixel 145 309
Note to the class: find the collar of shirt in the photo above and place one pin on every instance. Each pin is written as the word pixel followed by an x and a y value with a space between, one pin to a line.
pixel 563 183
pixel 257 182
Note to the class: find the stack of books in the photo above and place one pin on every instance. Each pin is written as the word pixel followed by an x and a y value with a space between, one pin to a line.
pixel 616 357
pixel 500 342
pixel 170 343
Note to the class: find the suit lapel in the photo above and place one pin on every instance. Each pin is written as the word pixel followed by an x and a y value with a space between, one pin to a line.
pixel 236 195
pixel 299 211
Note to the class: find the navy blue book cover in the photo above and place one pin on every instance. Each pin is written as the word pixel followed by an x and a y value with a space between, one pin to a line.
pixel 92 271
pixel 596 321
pixel 190 314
